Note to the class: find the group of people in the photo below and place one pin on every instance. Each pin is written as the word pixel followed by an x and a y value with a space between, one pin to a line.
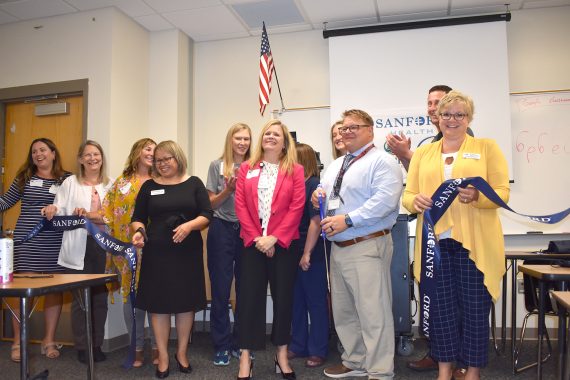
pixel 261 204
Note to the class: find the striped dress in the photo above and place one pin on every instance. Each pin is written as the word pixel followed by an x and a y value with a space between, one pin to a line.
pixel 40 253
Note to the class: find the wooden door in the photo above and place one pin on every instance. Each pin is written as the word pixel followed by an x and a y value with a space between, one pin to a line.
pixel 22 127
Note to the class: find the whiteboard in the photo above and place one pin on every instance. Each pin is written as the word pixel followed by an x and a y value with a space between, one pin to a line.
pixel 388 75
pixel 540 124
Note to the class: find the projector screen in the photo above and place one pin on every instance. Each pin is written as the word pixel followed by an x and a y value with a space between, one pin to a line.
pixel 388 74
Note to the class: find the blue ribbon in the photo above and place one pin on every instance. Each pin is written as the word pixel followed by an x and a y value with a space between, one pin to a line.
pixel 106 242
pixel 442 199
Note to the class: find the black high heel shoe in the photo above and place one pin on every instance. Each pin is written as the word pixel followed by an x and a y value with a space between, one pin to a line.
pixel 162 374
pixel 181 368
pixel 250 373
pixel 287 376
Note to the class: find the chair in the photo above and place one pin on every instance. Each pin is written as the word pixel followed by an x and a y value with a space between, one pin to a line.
pixel 531 294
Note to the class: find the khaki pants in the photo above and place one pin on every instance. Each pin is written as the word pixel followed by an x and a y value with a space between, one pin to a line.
pixel 362 305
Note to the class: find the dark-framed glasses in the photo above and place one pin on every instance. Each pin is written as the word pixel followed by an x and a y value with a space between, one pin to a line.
pixel 164 160
pixel 352 128
pixel 457 116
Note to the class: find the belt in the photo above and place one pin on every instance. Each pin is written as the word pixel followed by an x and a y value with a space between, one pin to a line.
pixel 348 243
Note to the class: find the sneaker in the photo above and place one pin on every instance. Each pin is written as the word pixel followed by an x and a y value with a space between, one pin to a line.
pixel 222 358
pixel 237 353
pixel 340 371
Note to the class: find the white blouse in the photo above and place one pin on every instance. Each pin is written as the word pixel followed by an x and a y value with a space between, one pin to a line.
pixel 265 189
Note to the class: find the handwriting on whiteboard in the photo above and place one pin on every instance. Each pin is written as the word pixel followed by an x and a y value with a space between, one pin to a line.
pixel 534 145
pixel 532 102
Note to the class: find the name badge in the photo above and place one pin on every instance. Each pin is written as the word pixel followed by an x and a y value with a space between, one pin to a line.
pixel 252 173
pixel 157 192
pixel 474 156
pixel 36 183
pixel 53 189
pixel 125 189
pixel 222 168
pixel 334 204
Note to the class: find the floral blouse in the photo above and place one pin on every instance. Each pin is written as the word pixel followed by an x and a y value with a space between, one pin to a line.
pixel 118 207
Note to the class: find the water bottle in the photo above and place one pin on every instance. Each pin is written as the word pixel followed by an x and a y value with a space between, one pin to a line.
pixel 6 260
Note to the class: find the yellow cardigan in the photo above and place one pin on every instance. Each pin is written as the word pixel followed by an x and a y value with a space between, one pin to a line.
pixel 476 225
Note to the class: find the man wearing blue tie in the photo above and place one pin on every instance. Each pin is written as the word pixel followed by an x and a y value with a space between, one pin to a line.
pixel 363 191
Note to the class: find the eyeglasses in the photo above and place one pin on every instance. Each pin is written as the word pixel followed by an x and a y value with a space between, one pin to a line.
pixel 164 160
pixel 352 128
pixel 456 116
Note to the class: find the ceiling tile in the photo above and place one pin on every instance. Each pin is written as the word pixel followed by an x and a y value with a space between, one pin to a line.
pixel 347 23
pixel 395 7
pixel 320 11
pixel 154 23
pixel 477 11
pixel 6 18
pixel 457 4
pixel 220 36
pixel 545 3
pixel 273 12
pixel 133 8
pixel 414 16
pixel 206 21
pixel 30 9
pixel 165 6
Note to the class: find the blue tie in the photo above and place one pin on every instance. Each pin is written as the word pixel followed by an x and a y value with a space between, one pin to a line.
pixel 337 183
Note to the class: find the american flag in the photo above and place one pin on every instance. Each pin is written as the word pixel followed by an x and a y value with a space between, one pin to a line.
pixel 265 71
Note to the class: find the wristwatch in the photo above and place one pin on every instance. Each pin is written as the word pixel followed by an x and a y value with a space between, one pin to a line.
pixel 347 220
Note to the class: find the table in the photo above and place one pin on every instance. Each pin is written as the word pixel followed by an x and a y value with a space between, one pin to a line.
pixel 39 285
pixel 513 256
pixel 544 273
pixel 563 299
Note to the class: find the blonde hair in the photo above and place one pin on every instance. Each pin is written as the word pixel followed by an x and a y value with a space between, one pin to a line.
pixel 174 149
pixel 135 156
pixel 308 159
pixel 228 155
pixel 456 96
pixel 359 114
pixel 288 157
pixel 102 172
pixel 336 152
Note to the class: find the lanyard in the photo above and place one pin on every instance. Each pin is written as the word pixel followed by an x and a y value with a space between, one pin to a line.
pixel 344 168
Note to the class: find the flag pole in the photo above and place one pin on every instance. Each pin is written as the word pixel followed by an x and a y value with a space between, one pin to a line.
pixel 276 77
pixel 278 87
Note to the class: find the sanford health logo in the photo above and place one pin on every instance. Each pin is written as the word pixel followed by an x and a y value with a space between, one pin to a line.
pixel 415 126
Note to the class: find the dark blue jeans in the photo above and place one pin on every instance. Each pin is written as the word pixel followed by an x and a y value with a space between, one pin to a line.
pixel 224 252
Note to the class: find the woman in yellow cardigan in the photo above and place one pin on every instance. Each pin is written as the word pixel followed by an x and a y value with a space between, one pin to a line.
pixel 469 233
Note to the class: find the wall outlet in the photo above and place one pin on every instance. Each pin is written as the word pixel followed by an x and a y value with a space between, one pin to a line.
pixel 520 286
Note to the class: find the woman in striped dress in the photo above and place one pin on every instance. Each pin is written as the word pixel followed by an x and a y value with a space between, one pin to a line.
pixel 35 185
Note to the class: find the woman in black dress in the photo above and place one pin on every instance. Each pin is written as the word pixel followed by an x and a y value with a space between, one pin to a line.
pixel 170 211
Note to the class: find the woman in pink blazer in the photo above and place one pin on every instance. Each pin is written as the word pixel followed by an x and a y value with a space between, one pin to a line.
pixel 269 200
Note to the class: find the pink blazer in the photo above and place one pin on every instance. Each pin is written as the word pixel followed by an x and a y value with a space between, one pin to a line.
pixel 286 207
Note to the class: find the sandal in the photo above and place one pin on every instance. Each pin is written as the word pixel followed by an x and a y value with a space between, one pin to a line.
pixel 154 356
pixel 15 354
pixel 139 359
pixel 314 361
pixel 50 350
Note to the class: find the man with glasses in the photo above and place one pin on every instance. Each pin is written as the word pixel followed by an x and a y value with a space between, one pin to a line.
pixel 362 190
pixel 400 147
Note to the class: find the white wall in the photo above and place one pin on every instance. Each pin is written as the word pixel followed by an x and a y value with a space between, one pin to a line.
pixel 226 85
pixel 63 48
pixel 170 70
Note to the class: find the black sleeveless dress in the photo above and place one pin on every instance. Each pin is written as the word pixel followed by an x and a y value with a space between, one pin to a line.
pixel 172 274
